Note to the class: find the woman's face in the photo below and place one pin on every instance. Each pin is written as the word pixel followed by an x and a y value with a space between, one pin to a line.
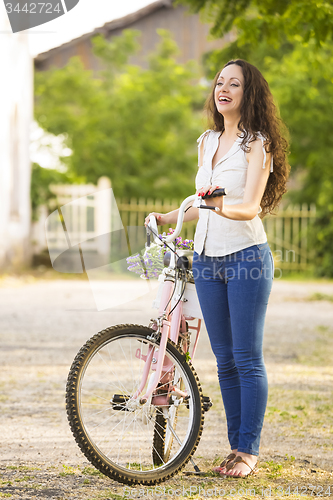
pixel 229 90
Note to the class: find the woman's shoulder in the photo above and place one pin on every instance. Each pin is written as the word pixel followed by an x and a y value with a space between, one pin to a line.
pixel 202 145
pixel 254 142
pixel 257 137
pixel 258 144
pixel 203 135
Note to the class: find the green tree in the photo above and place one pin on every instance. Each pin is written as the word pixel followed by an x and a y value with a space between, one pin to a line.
pixel 291 43
pixel 41 179
pixel 255 21
pixel 301 82
pixel 137 126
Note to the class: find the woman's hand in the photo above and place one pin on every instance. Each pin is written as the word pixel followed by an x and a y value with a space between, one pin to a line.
pixel 160 218
pixel 213 202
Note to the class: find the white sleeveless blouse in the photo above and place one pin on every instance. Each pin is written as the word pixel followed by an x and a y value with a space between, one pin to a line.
pixel 217 235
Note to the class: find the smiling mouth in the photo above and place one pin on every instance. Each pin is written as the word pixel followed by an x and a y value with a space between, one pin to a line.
pixel 224 99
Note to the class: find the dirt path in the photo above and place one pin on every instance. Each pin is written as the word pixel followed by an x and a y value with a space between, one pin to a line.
pixel 44 323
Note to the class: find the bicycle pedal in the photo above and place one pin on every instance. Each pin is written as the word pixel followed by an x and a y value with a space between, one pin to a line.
pixel 119 401
pixel 207 403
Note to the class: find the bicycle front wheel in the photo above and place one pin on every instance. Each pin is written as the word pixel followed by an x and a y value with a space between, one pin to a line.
pixel 118 438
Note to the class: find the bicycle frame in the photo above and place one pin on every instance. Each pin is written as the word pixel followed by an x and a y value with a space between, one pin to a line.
pixel 134 403
pixel 168 329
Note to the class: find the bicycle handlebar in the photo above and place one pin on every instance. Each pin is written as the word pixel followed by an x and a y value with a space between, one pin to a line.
pixel 152 224
pixel 171 237
pixel 180 218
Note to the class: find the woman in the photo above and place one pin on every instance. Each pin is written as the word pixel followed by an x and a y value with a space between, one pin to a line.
pixel 245 153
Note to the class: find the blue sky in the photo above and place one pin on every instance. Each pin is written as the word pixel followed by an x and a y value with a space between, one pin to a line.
pixel 86 16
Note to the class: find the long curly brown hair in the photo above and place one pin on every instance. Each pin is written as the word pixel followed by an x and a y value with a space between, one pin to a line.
pixel 259 115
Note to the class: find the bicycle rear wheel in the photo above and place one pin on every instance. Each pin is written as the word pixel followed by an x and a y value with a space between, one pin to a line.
pixel 119 438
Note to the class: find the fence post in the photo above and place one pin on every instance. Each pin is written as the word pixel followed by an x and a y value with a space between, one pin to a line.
pixel 103 215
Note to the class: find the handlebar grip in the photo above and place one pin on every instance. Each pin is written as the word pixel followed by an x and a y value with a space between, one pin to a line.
pixel 217 192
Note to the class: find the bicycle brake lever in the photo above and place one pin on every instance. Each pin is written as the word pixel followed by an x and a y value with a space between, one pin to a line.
pixel 207 207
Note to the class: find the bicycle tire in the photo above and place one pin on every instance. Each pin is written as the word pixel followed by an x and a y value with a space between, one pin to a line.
pixel 88 402
pixel 159 438
pixel 163 438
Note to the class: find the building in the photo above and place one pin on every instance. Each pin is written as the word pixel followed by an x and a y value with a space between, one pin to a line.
pixel 16 104
pixel 190 34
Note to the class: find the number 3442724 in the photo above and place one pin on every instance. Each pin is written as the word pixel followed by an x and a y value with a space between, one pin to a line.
pixel 316 491
pixel 33 8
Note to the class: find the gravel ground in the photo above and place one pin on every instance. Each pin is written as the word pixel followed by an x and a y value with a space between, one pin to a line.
pixel 43 323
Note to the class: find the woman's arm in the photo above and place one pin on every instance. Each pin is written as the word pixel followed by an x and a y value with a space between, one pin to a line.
pixel 171 217
pixel 256 181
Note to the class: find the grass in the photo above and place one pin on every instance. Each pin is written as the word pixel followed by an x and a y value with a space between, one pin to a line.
pixel 24 479
pixel 42 272
pixel 33 275
pixel 320 296
pixel 91 471
pixel 319 351
pixel 300 413
pixel 22 468
pixel 275 469
pixel 304 276
pixel 68 471
pixel 276 478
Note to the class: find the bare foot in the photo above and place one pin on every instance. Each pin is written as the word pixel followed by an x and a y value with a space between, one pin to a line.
pixel 241 469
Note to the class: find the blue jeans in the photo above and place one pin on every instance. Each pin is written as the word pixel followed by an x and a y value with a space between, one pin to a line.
pixel 233 293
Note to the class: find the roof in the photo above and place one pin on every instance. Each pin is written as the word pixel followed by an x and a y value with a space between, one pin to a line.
pixel 116 24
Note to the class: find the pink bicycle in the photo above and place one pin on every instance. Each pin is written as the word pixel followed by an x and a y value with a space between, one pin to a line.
pixel 134 401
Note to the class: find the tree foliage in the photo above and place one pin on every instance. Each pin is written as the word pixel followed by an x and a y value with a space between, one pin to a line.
pixel 302 85
pixel 137 126
pixel 272 21
pixel 41 179
pixel 291 43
